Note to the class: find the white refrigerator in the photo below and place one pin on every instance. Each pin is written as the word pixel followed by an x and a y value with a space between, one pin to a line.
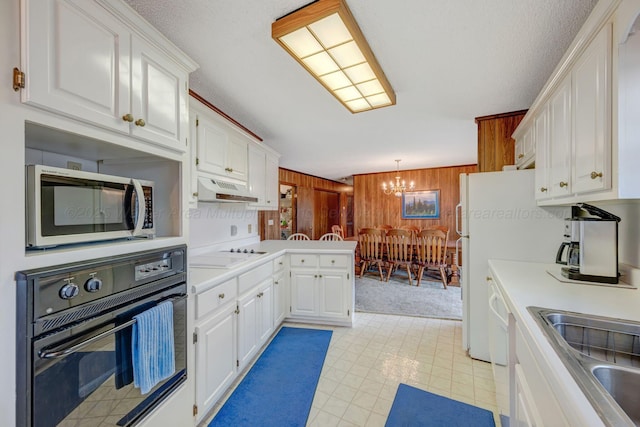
pixel 497 218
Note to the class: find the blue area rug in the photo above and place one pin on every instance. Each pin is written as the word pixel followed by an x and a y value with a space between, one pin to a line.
pixel 418 408
pixel 279 388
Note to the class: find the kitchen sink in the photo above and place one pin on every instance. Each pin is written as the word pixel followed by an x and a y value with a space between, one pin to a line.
pixel 603 356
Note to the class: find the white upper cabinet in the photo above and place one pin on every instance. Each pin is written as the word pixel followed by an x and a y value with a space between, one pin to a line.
pixel 221 149
pixel 263 176
pixel 591 105
pixel 559 143
pixel 99 62
pixel 591 151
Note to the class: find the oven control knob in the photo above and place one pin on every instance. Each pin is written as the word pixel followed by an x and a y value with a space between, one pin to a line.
pixel 93 285
pixel 68 291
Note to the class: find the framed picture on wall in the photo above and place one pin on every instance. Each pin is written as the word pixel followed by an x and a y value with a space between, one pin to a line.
pixel 423 204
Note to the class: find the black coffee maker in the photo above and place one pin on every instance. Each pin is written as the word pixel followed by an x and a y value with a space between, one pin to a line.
pixel 591 245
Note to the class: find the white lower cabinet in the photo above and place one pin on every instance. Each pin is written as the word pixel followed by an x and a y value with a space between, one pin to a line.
pixel 525 413
pixel 255 320
pixel 534 403
pixel 216 358
pixel 321 287
pixel 279 297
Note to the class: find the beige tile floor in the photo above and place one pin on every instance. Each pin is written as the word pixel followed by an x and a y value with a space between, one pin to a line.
pixel 366 363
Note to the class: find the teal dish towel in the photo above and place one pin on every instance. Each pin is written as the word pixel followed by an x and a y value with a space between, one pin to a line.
pixel 152 342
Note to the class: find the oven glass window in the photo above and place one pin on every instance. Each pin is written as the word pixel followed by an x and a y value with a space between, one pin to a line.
pixel 94 385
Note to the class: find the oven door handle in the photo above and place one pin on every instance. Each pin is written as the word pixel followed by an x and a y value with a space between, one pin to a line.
pixel 69 350
pixel 55 354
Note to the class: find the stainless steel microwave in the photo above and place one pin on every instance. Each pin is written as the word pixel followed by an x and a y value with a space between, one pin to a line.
pixel 67 206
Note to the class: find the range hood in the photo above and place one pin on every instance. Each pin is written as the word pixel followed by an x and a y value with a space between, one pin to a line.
pixel 216 190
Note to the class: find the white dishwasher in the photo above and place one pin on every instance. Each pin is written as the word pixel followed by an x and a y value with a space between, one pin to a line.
pixel 499 347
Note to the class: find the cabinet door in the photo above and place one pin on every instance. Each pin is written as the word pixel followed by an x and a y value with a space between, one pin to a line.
pixel 272 184
pixel 591 105
pixel 279 298
pixel 248 322
pixel 266 311
pixel 540 133
pixel 159 97
pixel 560 140
pixel 333 294
pixel 212 142
pixel 526 414
pixel 237 154
pixel 60 34
pixel 303 293
pixel 542 168
pixel 215 357
pixel 257 170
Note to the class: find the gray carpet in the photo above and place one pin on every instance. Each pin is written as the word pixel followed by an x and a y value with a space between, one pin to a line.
pixel 397 297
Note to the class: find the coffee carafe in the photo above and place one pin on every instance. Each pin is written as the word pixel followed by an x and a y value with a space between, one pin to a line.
pixel 590 244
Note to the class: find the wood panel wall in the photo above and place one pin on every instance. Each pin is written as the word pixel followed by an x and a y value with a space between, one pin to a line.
pixel 496 148
pixel 306 187
pixel 372 207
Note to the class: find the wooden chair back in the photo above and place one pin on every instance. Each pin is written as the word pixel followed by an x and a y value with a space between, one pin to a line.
pixel 298 236
pixel 398 244
pixel 431 247
pixel 331 236
pixel 385 227
pixel 338 230
pixel 370 241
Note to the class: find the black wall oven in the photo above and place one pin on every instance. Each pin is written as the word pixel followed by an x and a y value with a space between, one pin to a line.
pixel 74 335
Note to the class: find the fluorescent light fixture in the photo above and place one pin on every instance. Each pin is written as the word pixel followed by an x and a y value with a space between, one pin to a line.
pixel 325 39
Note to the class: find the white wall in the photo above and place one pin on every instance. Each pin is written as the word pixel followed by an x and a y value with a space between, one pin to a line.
pixel 628 229
pixel 211 224
pixel 12 196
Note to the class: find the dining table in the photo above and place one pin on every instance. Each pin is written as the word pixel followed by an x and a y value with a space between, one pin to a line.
pixel 453 259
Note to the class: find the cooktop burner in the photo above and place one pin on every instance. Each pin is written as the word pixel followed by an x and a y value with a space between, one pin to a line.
pixel 224 259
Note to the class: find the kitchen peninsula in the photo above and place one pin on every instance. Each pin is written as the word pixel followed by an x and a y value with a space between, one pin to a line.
pixel 239 307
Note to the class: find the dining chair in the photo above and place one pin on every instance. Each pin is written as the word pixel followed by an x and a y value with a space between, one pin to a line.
pixel 398 243
pixel 331 236
pixel 413 229
pixel 298 236
pixel 370 242
pixel 431 253
pixel 385 227
pixel 338 230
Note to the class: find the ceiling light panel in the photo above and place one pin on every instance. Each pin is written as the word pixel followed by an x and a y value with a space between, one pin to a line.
pixel 326 40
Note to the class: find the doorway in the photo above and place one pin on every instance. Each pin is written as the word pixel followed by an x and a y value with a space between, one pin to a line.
pixel 326 212
pixel 287 210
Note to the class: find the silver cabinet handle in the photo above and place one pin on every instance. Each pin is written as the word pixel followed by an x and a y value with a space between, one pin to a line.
pixel 221 296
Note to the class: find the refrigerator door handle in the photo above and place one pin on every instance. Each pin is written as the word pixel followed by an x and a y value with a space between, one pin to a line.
pixel 457 252
pixel 458 223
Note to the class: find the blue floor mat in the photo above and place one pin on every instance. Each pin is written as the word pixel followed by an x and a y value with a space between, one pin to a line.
pixel 279 388
pixel 413 407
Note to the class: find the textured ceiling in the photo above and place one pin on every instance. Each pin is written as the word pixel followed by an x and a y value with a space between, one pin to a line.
pixel 448 61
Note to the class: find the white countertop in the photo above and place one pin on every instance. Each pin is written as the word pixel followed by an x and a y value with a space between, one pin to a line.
pixel 526 284
pixel 203 278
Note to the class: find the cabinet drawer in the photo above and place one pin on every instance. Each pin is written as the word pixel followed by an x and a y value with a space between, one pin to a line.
pixel 337 261
pixel 251 278
pixel 303 260
pixel 547 403
pixel 278 264
pixel 208 301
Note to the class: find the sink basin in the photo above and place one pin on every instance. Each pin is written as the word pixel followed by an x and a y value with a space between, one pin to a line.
pixel 603 356
pixel 608 340
pixel 623 385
